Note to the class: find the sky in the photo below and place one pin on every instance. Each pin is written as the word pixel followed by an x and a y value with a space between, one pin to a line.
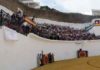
pixel 76 6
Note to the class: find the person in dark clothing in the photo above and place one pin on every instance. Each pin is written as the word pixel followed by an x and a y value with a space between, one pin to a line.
pixel 1 18
pixel 50 58
pixel 33 18
pixel 25 29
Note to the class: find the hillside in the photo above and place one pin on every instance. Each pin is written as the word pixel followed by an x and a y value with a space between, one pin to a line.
pixel 49 14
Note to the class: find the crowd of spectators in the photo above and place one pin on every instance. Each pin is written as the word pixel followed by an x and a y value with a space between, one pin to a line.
pixel 50 31
pixel 57 32
pixel 15 21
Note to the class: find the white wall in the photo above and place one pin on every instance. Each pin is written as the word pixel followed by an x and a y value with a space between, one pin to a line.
pixel 95 30
pixel 67 49
pixel 21 54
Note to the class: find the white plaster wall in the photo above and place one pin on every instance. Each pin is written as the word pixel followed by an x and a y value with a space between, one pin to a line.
pixel 95 30
pixel 21 54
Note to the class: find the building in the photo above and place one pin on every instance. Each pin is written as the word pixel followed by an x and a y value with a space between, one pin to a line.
pixel 30 3
pixel 96 12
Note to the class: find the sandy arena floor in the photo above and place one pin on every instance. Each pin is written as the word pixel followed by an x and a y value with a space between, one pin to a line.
pixel 90 63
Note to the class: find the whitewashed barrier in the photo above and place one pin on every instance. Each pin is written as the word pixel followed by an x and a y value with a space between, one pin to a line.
pixel 21 54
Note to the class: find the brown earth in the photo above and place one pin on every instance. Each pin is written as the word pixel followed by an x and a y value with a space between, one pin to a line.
pixel 90 63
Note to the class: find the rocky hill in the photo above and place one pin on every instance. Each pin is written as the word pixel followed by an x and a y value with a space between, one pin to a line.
pixel 48 14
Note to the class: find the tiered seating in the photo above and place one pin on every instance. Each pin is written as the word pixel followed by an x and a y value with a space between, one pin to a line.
pixel 18 22
pixel 62 33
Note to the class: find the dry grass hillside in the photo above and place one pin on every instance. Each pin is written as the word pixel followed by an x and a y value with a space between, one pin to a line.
pixel 49 14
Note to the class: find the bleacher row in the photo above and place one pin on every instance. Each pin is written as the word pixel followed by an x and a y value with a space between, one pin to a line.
pixel 54 32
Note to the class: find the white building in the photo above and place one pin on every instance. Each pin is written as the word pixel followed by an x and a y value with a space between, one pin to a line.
pixel 96 12
pixel 30 3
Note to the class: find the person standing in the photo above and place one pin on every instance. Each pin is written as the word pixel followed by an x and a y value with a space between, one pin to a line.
pixel 38 60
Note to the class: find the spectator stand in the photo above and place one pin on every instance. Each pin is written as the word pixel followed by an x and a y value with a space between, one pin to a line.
pixel 49 31
pixel 55 32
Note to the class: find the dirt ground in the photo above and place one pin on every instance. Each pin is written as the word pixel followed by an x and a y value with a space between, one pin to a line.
pixel 90 63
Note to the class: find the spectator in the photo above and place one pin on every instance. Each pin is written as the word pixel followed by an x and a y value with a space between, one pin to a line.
pixel 49 31
pixel 56 32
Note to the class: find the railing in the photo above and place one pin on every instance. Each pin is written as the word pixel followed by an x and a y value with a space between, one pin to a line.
pixel 4 17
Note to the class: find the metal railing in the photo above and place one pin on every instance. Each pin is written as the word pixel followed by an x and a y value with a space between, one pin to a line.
pixel 4 17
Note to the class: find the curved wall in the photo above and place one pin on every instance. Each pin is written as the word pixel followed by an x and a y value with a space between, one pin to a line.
pixel 22 53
